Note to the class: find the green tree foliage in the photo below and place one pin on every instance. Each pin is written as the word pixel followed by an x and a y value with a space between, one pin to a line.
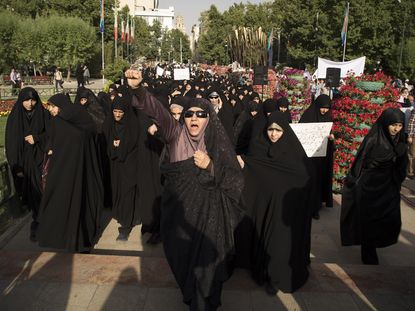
pixel 213 40
pixel 54 40
pixel 8 24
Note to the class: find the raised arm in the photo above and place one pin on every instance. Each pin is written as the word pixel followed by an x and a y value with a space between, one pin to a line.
pixel 143 100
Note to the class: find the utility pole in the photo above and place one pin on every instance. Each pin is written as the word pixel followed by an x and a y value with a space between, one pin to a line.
pixel 181 52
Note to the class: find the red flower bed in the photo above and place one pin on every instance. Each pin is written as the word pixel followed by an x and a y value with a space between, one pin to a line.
pixel 354 114
pixel 6 107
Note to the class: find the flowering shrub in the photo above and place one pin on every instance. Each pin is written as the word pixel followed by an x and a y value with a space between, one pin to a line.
pixel 6 107
pixel 354 114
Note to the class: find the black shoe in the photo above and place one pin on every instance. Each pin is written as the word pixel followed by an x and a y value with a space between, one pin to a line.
pixel 369 255
pixel 122 236
pixel 316 215
pixel 155 238
pixel 270 289
pixel 33 231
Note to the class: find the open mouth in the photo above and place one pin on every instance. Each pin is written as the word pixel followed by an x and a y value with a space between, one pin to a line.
pixel 194 126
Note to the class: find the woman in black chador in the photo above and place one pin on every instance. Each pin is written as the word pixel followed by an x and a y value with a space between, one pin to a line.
pixel 200 208
pixel 122 133
pixel 25 149
pixel 371 214
pixel 276 195
pixel 73 197
pixel 320 111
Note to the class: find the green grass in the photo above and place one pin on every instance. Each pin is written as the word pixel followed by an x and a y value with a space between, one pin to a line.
pixel 3 121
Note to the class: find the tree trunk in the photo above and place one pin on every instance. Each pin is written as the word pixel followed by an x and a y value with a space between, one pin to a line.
pixel 68 77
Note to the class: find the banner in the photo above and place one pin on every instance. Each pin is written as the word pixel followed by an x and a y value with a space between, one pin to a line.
pixel 357 66
pixel 159 71
pixel 181 74
pixel 313 137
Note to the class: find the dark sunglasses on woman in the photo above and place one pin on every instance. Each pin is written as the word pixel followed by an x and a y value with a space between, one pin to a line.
pixel 200 114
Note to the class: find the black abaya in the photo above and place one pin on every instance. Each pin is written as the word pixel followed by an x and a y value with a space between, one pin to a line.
pixel 322 166
pixel 70 209
pixel 23 157
pixel 276 195
pixel 370 212
pixel 200 209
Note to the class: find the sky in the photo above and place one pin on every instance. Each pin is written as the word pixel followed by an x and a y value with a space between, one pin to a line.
pixel 191 9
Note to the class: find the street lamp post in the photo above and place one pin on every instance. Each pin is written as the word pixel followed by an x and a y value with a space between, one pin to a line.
pixel 279 45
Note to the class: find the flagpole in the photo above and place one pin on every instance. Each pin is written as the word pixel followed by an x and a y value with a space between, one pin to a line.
pixel 102 41
pixel 347 29
pixel 116 32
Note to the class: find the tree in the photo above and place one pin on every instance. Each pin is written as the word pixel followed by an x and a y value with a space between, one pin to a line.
pixel 8 25
pixel 211 46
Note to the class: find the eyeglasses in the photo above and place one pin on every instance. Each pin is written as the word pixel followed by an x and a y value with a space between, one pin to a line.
pixel 214 97
pixel 200 114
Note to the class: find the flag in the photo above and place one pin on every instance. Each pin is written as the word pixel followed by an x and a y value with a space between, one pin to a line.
pixel 101 22
pixel 127 31
pixel 122 31
pixel 270 39
pixel 115 25
pixel 269 47
pixel 132 29
pixel 345 24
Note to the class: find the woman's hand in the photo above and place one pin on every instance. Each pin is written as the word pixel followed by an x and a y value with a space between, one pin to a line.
pixel 134 78
pixel 152 129
pixel 201 159
pixel 30 139
pixel 241 162
pixel 116 143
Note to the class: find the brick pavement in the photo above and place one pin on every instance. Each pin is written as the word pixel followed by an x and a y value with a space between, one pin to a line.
pixel 135 276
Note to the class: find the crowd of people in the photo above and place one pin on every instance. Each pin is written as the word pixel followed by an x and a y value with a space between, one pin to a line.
pixel 207 168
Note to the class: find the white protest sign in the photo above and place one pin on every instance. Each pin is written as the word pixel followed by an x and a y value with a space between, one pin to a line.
pixel 159 71
pixel 313 137
pixel 356 65
pixel 181 74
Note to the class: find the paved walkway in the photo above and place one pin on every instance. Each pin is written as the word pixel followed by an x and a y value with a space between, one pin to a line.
pixel 135 276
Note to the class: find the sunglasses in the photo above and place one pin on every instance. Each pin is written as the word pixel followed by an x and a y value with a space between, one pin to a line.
pixel 214 97
pixel 200 114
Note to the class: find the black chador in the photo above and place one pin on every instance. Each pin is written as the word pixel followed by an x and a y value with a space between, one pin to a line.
pixel 371 213
pixel 323 166
pixel 25 149
pixel 73 197
pixel 122 134
pixel 276 195
pixel 200 208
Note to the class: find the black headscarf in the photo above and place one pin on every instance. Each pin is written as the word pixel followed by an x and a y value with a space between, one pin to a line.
pixel 269 105
pixel 93 106
pixel 284 103
pixel 312 114
pixel 379 146
pixel 21 123
pixel 74 114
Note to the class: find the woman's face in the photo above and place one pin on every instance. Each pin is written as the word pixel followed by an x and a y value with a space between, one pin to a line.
pixel 323 111
pixel 118 114
pixel 53 110
pixel 188 87
pixel 176 113
pixel 274 132
pixel 283 109
pixel 83 101
pixel 395 128
pixel 29 104
pixel 193 122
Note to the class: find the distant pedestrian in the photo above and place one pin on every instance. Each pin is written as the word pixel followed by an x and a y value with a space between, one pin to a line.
pixel 86 75
pixel 14 81
pixel 79 73
pixel 58 79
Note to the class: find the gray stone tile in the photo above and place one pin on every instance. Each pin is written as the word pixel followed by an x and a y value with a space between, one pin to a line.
pixel 67 294
pixel 165 299
pixel 21 296
pixel 385 302
pixel 280 302
pixel 236 300
pixel 329 302
pixel 118 297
